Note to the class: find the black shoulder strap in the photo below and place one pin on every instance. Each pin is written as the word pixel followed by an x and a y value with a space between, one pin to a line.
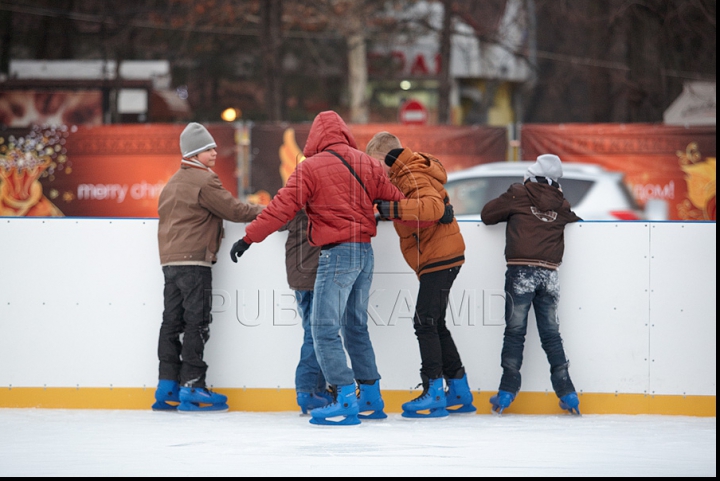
pixel 352 171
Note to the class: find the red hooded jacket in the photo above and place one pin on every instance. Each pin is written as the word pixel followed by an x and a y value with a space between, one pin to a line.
pixel 338 208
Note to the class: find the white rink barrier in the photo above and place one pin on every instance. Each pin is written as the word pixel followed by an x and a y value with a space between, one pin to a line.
pixel 81 306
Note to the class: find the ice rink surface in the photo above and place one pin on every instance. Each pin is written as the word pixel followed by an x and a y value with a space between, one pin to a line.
pixel 48 442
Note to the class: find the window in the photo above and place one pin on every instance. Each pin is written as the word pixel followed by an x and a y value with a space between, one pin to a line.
pixel 575 190
pixel 469 196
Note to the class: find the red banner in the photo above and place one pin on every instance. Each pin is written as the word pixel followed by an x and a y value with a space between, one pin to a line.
pixel 671 163
pixel 102 171
pixel 276 147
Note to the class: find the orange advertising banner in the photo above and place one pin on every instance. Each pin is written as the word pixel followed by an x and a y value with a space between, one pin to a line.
pixel 97 171
pixel 275 147
pixel 671 163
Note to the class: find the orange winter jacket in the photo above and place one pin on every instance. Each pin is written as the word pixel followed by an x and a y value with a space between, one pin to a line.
pixel 420 177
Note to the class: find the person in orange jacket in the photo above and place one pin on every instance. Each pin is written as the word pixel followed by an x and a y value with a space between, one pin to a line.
pixel 433 246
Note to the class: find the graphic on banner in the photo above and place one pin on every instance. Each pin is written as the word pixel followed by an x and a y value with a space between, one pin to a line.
pixel 23 159
pixel 700 175
pixel 290 155
pixel 666 163
pixel 97 171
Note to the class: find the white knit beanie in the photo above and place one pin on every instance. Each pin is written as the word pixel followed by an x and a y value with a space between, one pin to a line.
pixel 195 139
pixel 548 166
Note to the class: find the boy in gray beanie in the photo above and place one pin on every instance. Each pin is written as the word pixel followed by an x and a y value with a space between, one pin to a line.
pixel 547 166
pixel 195 139
pixel 191 208
pixel 536 213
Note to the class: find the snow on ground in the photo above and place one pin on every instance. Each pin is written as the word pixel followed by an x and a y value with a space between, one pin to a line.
pixel 47 442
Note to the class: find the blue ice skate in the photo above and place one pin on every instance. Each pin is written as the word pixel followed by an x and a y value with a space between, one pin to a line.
pixel 570 403
pixel 342 412
pixel 199 399
pixel 430 404
pixel 326 394
pixel 310 400
pixel 167 392
pixel 370 402
pixel 459 397
pixel 501 401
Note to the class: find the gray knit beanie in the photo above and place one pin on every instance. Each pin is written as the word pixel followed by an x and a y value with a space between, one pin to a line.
pixel 195 139
pixel 548 166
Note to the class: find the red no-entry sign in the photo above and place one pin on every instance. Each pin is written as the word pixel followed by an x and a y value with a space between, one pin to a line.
pixel 413 112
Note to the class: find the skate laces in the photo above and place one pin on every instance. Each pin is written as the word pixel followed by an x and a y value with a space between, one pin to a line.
pixel 424 393
pixel 207 390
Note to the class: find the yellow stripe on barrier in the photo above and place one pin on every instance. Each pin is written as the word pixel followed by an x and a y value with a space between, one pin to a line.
pixel 273 400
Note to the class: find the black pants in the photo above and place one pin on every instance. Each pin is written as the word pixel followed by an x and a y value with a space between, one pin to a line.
pixel 188 299
pixel 437 348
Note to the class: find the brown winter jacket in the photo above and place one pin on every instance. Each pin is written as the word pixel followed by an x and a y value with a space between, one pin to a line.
pixel 536 215
pixel 191 208
pixel 420 177
pixel 301 259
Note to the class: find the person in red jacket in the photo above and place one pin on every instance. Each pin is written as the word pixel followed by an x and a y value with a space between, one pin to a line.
pixel 536 213
pixel 337 185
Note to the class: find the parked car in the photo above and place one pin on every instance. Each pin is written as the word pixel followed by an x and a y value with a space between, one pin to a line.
pixel 593 192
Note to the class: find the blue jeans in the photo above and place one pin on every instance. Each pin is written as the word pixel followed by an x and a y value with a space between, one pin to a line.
pixel 342 291
pixel 539 287
pixel 308 375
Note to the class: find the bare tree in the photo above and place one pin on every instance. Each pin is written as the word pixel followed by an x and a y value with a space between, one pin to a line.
pixel 6 38
pixel 352 18
pixel 445 48
pixel 592 60
pixel 271 57
pixel 357 71
pixel 618 61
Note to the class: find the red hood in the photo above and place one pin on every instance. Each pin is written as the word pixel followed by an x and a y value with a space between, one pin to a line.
pixel 327 129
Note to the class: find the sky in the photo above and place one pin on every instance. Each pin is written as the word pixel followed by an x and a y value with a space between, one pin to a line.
pixel 50 442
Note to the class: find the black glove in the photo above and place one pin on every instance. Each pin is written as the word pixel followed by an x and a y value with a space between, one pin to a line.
pixel 383 207
pixel 238 249
pixel 448 216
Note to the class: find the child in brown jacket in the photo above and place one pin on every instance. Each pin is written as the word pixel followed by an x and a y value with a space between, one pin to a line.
pixel 536 213
pixel 191 209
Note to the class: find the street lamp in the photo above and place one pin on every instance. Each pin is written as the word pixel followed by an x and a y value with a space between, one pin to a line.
pixel 231 114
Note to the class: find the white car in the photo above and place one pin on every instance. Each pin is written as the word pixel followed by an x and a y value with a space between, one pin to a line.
pixel 593 192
